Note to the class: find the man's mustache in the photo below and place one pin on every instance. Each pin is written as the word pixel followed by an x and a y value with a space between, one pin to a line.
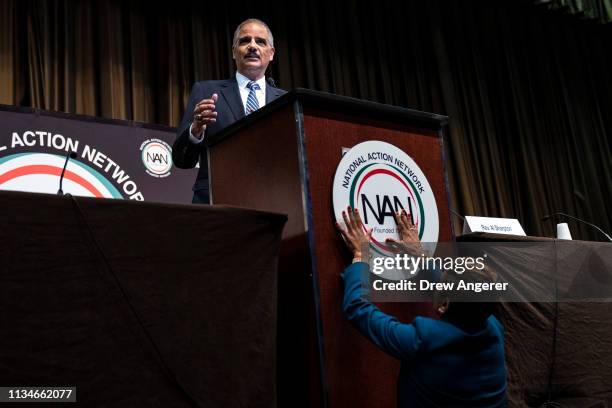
pixel 251 55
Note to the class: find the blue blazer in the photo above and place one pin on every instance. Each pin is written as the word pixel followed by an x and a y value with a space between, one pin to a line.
pixel 229 106
pixel 441 364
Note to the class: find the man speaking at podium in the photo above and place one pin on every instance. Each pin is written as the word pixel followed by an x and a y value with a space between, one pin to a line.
pixel 214 105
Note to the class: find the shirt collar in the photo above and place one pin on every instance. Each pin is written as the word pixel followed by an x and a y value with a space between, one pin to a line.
pixel 243 81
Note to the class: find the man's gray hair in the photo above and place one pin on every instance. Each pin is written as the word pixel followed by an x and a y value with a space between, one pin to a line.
pixel 248 21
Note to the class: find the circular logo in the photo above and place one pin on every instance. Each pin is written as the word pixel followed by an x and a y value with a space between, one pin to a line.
pixel 379 180
pixel 157 157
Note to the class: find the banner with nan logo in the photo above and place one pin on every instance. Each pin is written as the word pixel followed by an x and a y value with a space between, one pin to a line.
pixel 379 180
pixel 114 159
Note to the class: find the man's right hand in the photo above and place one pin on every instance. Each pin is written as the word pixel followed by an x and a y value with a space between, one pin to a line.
pixel 203 114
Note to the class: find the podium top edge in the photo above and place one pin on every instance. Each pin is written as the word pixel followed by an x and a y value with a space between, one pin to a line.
pixel 359 106
pixel 338 104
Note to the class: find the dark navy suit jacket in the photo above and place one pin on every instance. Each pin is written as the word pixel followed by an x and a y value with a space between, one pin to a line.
pixel 229 109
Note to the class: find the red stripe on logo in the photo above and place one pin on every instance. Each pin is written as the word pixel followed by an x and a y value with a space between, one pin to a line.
pixel 52 171
pixel 395 176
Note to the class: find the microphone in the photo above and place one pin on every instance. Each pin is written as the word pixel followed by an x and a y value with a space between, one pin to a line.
pixel 271 82
pixel 70 155
pixel 580 197
pixel 457 214
pixel 548 216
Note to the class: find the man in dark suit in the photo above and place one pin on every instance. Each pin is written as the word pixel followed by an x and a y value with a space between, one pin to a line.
pixel 214 105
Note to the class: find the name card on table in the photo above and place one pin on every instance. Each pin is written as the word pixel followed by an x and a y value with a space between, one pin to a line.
pixel 509 226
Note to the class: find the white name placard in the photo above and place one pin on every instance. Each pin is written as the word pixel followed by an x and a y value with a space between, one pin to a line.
pixel 509 226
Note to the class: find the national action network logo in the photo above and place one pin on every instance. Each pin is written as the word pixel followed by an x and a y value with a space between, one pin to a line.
pixel 379 179
pixel 156 155
pixel 40 172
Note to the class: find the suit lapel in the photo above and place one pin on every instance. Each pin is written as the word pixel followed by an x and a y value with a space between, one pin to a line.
pixel 272 93
pixel 230 92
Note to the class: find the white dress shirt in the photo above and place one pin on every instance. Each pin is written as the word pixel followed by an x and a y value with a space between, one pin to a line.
pixel 244 91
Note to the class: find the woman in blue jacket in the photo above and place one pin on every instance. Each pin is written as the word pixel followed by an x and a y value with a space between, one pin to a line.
pixel 456 361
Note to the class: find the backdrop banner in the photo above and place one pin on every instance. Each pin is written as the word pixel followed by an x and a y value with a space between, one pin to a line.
pixel 113 158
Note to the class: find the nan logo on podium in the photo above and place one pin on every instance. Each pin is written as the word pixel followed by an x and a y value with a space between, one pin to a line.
pixel 379 179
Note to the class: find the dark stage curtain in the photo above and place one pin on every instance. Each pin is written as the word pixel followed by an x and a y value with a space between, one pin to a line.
pixel 528 91
pixel 598 10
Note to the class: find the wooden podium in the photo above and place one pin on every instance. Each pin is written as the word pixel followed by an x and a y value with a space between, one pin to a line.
pixel 283 158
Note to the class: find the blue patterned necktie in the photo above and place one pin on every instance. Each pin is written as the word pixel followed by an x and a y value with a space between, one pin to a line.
pixel 252 104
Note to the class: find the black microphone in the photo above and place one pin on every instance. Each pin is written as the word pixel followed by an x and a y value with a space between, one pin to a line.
pixel 548 216
pixel 271 82
pixel 580 197
pixel 70 155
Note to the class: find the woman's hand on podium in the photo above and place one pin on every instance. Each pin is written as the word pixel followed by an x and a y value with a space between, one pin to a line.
pixel 356 235
pixel 409 242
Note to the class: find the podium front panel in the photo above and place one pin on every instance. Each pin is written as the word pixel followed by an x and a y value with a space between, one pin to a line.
pixel 359 374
